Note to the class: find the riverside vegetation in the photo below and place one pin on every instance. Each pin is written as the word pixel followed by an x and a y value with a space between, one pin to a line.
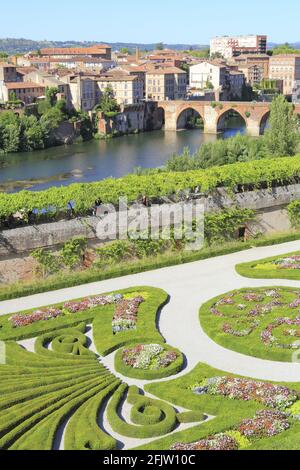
pixel 33 129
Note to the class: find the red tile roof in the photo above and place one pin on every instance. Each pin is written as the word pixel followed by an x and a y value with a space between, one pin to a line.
pixel 14 85
pixel 100 48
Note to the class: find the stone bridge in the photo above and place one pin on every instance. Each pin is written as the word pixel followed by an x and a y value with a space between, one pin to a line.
pixel 214 114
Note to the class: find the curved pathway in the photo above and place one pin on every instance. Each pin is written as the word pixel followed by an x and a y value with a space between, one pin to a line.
pixel 189 286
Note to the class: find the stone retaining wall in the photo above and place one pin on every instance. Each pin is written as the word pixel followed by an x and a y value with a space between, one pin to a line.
pixel 270 205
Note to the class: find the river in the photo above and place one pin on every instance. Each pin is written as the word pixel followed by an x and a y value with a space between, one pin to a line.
pixel 96 160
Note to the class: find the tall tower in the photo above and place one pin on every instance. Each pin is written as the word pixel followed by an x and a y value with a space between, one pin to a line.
pixel 137 55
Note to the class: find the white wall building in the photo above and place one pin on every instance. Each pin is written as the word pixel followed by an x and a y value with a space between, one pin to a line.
pixel 207 72
pixel 231 46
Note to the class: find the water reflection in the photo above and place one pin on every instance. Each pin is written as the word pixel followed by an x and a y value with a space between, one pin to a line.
pixel 96 160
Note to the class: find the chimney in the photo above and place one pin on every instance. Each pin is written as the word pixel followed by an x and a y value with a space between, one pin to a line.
pixel 137 55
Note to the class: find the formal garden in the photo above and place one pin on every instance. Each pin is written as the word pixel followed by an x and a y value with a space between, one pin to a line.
pixel 277 267
pixel 260 322
pixel 55 378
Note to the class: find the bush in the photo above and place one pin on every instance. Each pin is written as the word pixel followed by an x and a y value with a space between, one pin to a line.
pixel 73 251
pixel 191 417
pixel 164 426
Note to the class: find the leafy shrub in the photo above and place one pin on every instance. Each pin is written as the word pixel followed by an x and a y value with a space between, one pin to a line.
pixel 48 262
pixel 73 251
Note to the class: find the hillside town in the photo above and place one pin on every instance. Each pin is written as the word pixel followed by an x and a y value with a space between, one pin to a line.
pixel 82 74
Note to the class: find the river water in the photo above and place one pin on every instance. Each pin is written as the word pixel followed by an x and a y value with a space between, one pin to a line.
pixel 96 160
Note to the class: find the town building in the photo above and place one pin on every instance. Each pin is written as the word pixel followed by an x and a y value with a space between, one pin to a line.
pixel 127 88
pixel 236 84
pixel 8 73
pixel 254 67
pixel 296 92
pixel 27 92
pixel 286 68
pixel 83 92
pixel 166 83
pixel 208 74
pixel 50 81
pixel 74 63
pixel 98 51
pixel 231 46
pixel 217 77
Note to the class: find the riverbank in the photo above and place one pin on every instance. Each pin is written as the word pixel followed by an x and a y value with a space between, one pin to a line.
pixel 98 159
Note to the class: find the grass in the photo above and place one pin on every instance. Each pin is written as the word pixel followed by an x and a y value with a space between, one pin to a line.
pixel 38 392
pixel 101 317
pixel 228 413
pixel 252 343
pixel 71 279
pixel 146 331
pixel 148 374
pixel 265 269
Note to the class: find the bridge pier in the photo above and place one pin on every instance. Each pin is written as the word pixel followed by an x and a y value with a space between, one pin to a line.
pixel 253 128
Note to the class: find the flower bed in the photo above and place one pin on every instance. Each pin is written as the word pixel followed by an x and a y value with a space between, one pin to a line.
pixel 266 423
pixel 49 313
pixel 221 442
pixel 148 357
pixel 125 317
pixel 290 262
pixel 268 394
pixel 263 322
pixel 19 320
pixel 148 361
pixel 268 338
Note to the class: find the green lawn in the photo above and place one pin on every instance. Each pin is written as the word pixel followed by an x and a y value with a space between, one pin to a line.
pixel 251 321
pixel 101 317
pixel 228 412
pixel 267 269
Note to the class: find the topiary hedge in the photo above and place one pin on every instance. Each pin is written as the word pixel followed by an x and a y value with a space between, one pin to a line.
pixel 165 425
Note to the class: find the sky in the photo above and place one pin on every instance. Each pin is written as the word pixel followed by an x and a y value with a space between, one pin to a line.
pixel 168 21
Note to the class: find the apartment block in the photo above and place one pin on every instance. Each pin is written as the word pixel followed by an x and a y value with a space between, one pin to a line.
pixel 231 46
pixel 286 68
pixel 254 67
pixel 167 83
pixel 127 89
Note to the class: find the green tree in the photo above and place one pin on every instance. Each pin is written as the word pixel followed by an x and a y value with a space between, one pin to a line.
pixel 160 46
pixel 53 118
pixel 86 127
pixel 3 55
pixel 125 50
pixel 51 95
pixel 32 133
pixel 282 138
pixel 108 102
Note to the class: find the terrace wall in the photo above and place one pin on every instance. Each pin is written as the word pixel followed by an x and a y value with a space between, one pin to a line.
pixel 270 206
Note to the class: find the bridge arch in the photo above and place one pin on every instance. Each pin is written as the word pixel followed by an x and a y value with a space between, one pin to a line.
pixel 263 124
pixel 226 114
pixel 161 116
pixel 189 118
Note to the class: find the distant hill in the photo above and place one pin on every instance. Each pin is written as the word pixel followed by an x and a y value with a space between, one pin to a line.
pixel 21 46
